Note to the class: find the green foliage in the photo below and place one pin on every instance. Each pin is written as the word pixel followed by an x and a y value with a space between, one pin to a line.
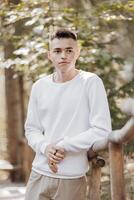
pixel 28 24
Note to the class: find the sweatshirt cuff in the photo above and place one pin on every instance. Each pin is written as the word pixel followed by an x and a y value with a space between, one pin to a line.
pixel 64 143
pixel 60 144
pixel 43 147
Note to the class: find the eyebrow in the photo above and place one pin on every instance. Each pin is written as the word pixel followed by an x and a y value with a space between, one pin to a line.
pixel 61 48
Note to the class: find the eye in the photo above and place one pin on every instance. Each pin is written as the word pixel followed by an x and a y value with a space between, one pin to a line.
pixel 57 51
pixel 69 51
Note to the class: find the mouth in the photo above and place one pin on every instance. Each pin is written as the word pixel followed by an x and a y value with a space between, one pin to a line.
pixel 63 62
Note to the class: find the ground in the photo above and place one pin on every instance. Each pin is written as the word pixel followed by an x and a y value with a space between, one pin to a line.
pixel 11 191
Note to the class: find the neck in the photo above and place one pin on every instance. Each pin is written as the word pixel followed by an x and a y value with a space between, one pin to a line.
pixel 63 76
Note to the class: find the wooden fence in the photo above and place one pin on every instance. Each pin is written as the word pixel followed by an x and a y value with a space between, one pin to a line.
pixel 115 146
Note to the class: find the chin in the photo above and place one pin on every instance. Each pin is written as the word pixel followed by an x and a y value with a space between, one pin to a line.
pixel 63 66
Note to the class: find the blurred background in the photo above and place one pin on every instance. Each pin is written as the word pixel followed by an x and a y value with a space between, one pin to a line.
pixel 105 31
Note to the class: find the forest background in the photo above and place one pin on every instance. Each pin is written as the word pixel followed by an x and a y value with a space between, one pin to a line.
pixel 105 33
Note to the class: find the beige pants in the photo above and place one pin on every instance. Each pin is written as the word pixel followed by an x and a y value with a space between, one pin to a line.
pixel 42 187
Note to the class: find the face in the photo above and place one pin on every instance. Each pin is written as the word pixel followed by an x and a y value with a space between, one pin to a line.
pixel 63 53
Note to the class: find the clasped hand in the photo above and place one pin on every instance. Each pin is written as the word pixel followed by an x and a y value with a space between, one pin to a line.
pixel 54 155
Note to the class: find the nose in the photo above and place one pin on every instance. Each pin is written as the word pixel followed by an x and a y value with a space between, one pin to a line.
pixel 63 55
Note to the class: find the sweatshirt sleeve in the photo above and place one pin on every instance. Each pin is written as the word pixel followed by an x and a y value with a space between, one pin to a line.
pixel 99 119
pixel 33 128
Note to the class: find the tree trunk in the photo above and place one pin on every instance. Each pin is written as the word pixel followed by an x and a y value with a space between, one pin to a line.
pixel 3 138
pixel 14 121
pixel 14 107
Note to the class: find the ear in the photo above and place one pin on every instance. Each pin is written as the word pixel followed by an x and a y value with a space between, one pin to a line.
pixel 78 52
pixel 78 49
pixel 49 55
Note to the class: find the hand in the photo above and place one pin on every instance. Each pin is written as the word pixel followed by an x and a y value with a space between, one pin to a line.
pixel 53 167
pixel 91 154
pixel 54 154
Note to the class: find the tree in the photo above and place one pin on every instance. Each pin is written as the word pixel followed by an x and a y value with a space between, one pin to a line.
pixel 14 106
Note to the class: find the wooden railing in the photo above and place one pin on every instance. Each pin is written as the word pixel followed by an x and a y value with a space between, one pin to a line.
pixel 114 144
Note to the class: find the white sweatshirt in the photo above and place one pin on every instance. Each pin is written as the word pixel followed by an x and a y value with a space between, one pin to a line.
pixel 73 114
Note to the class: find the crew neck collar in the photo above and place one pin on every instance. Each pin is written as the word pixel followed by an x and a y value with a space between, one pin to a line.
pixel 66 82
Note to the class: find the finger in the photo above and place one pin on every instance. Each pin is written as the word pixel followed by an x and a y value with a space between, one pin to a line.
pixel 51 164
pixel 61 150
pixel 53 170
pixel 52 150
pixel 53 167
pixel 59 155
pixel 53 160
pixel 56 157
pixel 50 155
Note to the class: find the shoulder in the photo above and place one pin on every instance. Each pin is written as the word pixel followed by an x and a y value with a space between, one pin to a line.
pixel 90 77
pixel 41 82
pixel 92 82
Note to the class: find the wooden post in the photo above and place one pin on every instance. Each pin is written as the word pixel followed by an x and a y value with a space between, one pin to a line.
pixel 116 171
pixel 94 182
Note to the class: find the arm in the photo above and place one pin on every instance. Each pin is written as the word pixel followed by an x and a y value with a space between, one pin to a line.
pixel 33 128
pixel 99 120
pixel 35 137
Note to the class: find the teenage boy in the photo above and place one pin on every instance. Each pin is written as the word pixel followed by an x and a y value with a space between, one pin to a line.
pixel 67 113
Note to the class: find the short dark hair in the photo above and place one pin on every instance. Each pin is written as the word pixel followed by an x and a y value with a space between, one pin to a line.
pixel 63 33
